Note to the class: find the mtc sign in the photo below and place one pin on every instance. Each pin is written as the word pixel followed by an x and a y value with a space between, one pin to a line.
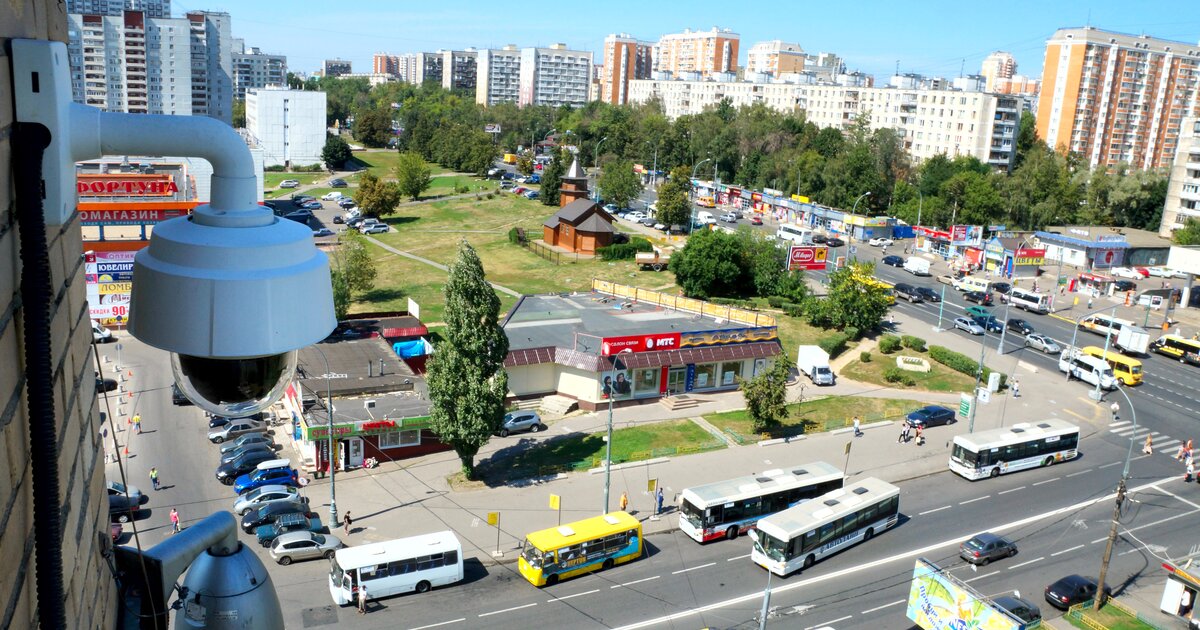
pixel 639 343
pixel 806 257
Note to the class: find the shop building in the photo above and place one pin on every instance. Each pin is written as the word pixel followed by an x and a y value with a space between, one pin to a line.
pixel 635 345
pixel 1086 248
pixel 1012 257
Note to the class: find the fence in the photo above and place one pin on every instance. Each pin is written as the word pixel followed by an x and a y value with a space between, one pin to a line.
pixel 1078 612
pixel 555 257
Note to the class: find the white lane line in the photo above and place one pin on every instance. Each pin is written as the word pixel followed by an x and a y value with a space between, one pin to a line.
pixel 986 496
pixel 1082 472
pixel 1017 566
pixel 1098 540
pixel 980 577
pixel 1134 550
pixel 497 612
pixel 1179 498
pixel 692 569
pixel 1049 480
pixel 944 507
pixel 1011 490
pixel 635 582
pixel 1119 423
pixel 822 625
pixel 565 597
pixel 444 623
pixel 1059 553
pixel 871 610
pixel 737 558
pixel 1108 465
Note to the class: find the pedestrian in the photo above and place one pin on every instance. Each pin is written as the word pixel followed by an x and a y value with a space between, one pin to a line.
pixel 362 598
pixel 903 439
pixel 1190 470
pixel 891 319
pixel 658 501
pixel 1148 448
pixel 1115 409
pixel 137 423
pixel 624 502
pixel 1062 289
pixel 154 477
pixel 347 522
pixel 1089 302
pixel 174 521
pixel 857 424
pixel 1016 387
pixel 920 435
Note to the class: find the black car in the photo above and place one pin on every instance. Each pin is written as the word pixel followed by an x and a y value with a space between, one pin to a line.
pixel 1021 326
pixel 648 221
pixel 1001 287
pixel 299 200
pixel 1124 285
pixel 245 449
pixel 908 292
pixel 1020 608
pixel 228 472
pixel 347 202
pixel 929 294
pixel 930 416
pixel 299 216
pixel 990 324
pixel 265 514
pixel 894 261
pixel 833 241
pixel 337 183
pixel 215 422
pixel 978 297
pixel 1071 590
pixel 177 397
pixel 105 384
pixel 337 218
pixel 819 239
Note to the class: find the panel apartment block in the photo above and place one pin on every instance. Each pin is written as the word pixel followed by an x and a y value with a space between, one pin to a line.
pixel 555 76
pixel 212 65
pixel 335 67
pixel 499 76
pixel 254 69
pixel 152 8
pixel 459 69
pixel 288 125
pixel 706 52
pixel 625 59
pixel 1183 189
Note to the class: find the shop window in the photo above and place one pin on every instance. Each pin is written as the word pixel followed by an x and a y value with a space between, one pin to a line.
pixel 646 381
pixel 730 371
pixel 706 375
pixel 399 439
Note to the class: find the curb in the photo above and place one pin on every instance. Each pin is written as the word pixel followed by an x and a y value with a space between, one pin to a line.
pixel 783 440
pixel 861 427
pixel 645 462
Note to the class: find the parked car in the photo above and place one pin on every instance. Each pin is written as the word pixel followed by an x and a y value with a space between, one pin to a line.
pixel 930 416
pixel 1124 285
pixel 105 384
pixel 1042 342
pixel 268 512
pixel 990 324
pixel 819 239
pixel 347 202
pixel 518 421
pixel 289 183
pixel 235 428
pixel 1126 272
pixel 101 334
pixel 298 200
pixel 304 545
pixel 979 297
pixel 535 179
pixel 635 216
pixel 267 534
pixel 248 439
pixel 1071 590
pixel 266 495
pixel 332 196
pixel 968 326
pixel 311 205
pixel 505 185
pixel 337 183
pixel 977 311
pixel 907 291
pixel 1020 608
pixel 1165 272
pixel 1021 326
pixel 337 218
pixel 177 397
pixel 881 242
pixel 834 242
pixel 986 547
pixel 757 220
pixel 374 228
pixel 248 461
pixel 894 261
pixel 929 294
pixel 531 194
pixel 271 476
pixel 1001 287
pixel 322 233
pixel 355 222
pixel 730 217
pixel 229 456
pixel 124 502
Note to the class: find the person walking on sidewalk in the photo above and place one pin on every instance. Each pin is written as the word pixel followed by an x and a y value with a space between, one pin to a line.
pixel 1016 387
pixel 174 521
pixel 658 501
pixel 1148 448
pixel 903 439
pixel 920 435
pixel 346 523
pixel 857 424
pixel 154 477
pixel 624 502
pixel 1116 409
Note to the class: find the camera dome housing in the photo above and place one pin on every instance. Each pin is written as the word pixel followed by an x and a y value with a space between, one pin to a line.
pixel 233 387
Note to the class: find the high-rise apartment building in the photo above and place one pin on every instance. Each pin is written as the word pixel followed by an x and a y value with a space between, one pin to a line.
pixel 417 68
pixel 384 63
pixel 555 76
pixel 1183 188
pixel 255 69
pixel 335 68
pixel 1115 98
pixel 288 125
pixel 705 52
pixel 774 58
pixel 144 65
pixel 459 69
pixel 1017 84
pixel 499 76
pixel 996 66
pixel 625 59
pixel 152 8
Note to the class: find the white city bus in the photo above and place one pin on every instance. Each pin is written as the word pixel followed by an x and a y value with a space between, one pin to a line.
pixel 1028 300
pixel 727 508
pixel 416 564
pixel 794 233
pixel 798 537
pixel 1023 445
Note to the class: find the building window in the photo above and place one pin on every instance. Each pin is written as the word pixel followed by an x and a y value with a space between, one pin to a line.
pixel 398 439
pixel 646 381
pixel 706 376
pixel 730 371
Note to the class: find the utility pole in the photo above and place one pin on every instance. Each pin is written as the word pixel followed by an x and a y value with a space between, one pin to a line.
pixel 1108 547
pixel 975 392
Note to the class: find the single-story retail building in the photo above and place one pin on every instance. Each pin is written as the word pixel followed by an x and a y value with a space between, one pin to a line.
pixel 632 344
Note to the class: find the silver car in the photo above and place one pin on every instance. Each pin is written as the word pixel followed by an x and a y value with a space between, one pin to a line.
pixel 266 495
pixel 518 421
pixel 235 427
pixel 966 325
pixel 1043 343
pixel 247 439
pixel 304 546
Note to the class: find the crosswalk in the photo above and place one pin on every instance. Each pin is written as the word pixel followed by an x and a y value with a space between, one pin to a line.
pixel 1160 443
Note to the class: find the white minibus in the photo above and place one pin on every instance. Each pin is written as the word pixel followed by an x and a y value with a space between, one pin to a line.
pixel 416 564
pixel 794 233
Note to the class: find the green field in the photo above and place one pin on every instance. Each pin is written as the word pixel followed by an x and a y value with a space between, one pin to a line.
pixel 938 379
pixel 815 416
pixel 380 162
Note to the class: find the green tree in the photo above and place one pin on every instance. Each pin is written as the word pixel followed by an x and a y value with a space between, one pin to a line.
pixel 341 294
pixel 354 264
pixel 412 174
pixel 849 302
pixel 336 152
pixel 766 395
pixel 552 177
pixel 713 263
pixel 466 377
pixel 376 197
pixel 619 184
pixel 294 82
pixel 1026 137
pixel 1189 234
pixel 524 165
pixel 673 205
pixel 239 113
pixel 373 127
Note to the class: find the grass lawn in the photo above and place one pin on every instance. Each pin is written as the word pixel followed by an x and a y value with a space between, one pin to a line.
pixel 939 379
pixel 1109 617
pixel 271 180
pixel 815 416
pixel 380 163
pixel 579 452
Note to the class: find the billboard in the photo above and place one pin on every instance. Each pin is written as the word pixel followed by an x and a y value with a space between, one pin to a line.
pixel 966 234
pixel 108 277
pixel 129 216
pixel 1026 256
pixel 807 257
pixel 939 601
pixel 639 343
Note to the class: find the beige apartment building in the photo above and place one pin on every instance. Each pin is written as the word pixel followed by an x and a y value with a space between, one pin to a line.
pixel 1183 189
pixel 996 66
pixel 704 52
pixel 625 59
pixel 1115 98
pixel 775 58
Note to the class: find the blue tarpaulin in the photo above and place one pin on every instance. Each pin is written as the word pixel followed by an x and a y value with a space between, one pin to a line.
pixel 406 349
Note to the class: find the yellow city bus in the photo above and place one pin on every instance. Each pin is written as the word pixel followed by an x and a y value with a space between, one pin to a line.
pixel 1176 347
pixel 1127 369
pixel 706 201
pixel 562 552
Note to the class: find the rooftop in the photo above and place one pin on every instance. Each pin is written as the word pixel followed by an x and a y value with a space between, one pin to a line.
pixel 1134 237
pixel 353 368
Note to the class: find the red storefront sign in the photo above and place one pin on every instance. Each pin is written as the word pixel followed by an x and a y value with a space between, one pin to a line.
pixel 932 233
pixel 1025 256
pixel 806 257
pixel 128 216
pixel 639 343
pixel 973 256
pixel 958 233
pixel 127 186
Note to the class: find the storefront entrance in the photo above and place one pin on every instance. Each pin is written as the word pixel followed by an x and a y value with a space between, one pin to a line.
pixel 676 381
pixel 354 452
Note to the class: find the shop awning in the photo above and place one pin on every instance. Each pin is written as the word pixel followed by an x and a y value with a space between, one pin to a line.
pixel 411 331
pixel 702 355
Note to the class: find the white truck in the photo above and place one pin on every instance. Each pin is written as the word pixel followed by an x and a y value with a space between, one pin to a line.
pixel 917 266
pixel 813 362
pixel 1133 339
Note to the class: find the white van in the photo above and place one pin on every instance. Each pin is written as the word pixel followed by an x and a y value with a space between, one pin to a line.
pixel 794 233
pixel 416 564
pixel 917 266
pixel 1089 369
pixel 705 218
pixel 100 334
pixel 1028 300
pixel 971 283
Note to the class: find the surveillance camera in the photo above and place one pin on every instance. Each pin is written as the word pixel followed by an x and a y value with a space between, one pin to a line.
pixel 233 387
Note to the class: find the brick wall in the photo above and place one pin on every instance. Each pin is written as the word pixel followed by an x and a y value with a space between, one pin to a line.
pixel 89 588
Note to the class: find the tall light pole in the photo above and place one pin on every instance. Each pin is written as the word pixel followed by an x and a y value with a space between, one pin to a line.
pixel 612 393
pixel 920 206
pixel 1112 532
pixel 853 212
pixel 333 513
pixel 1095 394
pixel 596 165
pixel 978 380
pixel 692 221
pixel 654 169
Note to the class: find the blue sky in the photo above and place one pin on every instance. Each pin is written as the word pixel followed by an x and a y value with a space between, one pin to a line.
pixel 931 37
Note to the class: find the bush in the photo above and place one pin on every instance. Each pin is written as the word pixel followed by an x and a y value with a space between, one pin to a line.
pixel 311 168
pixel 275 168
pixel 897 375
pixel 793 311
pixel 889 344
pixel 775 301
pixel 865 357
pixel 491 195
pixel 627 251
pixel 834 344
pixel 853 333
pixel 734 302
pixel 512 236
pixel 961 363
pixel 913 343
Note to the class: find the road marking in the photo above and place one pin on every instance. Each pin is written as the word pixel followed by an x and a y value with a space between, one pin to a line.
pixel 1017 566
pixel 1049 480
pixel 1059 553
pixel 1108 465
pixel 756 595
pixel 1179 498
pixel 1082 472
pixel 1011 490
pixel 566 597
pixel 822 625
pixel 1075 414
pixel 980 577
pixel 898 601
pixel 986 496
pixel 1134 550
pixel 635 582
pixel 692 569
pixel 737 558
pixel 444 623
pixel 1119 423
pixel 944 507
pixel 497 612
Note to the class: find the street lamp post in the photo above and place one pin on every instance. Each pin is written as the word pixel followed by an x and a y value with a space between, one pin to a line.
pixel 853 212
pixel 920 206
pixel 612 392
pixel 692 222
pixel 1095 394
pixel 978 380
pixel 1004 325
pixel 1112 532
pixel 596 165
pixel 333 513
pixel 654 169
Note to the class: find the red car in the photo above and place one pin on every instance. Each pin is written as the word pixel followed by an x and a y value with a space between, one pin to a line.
pixel 519 189
pixel 756 220
pixel 1142 270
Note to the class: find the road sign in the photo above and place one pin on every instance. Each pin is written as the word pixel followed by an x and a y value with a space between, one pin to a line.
pixel 652 485
pixel 493 518
pixel 985 396
pixel 554 502
pixel 964 406
pixel 807 257
pixel 491 128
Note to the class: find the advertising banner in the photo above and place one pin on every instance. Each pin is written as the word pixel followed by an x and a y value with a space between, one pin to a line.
pixel 807 257
pixel 1030 257
pixel 938 601
pixel 639 343
pixel 108 279
pixel 128 216
pixel 126 185
pixel 966 234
